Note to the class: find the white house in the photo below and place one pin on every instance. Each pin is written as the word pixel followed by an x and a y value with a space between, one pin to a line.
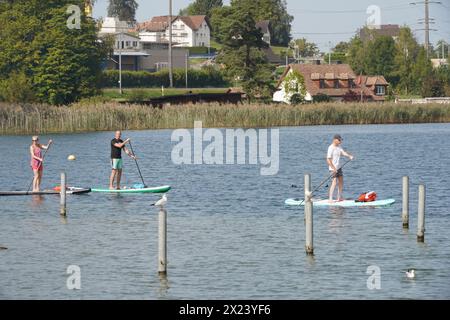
pixel 113 25
pixel 187 31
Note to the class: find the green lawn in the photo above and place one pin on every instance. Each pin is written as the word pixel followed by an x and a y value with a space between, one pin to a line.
pixel 279 50
pixel 113 93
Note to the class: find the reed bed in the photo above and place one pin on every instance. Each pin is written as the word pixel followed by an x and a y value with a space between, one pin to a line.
pixel 108 116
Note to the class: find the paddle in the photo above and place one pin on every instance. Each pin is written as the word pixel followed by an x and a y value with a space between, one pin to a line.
pixel 43 157
pixel 137 165
pixel 330 176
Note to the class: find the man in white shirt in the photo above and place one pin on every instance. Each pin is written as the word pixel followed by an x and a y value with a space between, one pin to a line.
pixel 333 159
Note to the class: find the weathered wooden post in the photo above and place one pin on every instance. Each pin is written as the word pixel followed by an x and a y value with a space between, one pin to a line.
pixel 421 215
pixel 162 252
pixel 308 216
pixel 62 192
pixel 405 208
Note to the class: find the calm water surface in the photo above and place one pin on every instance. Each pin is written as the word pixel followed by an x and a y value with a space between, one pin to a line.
pixel 229 234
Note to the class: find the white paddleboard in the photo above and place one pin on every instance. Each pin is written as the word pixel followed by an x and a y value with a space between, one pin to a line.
pixel 344 203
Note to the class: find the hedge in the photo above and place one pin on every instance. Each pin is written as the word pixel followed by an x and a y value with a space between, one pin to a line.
pixel 206 77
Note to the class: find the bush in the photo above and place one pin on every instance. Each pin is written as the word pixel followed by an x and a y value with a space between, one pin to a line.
pixel 200 50
pixel 296 98
pixel 433 87
pixel 205 77
pixel 17 88
pixel 321 97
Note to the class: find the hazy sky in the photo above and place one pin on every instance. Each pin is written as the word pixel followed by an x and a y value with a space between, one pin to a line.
pixel 325 21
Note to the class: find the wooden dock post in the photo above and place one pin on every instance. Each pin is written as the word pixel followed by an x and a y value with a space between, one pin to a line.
pixel 405 208
pixel 421 215
pixel 62 203
pixel 308 217
pixel 162 242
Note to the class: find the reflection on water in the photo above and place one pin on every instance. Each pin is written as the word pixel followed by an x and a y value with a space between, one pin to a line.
pixel 336 219
pixel 163 286
pixel 37 200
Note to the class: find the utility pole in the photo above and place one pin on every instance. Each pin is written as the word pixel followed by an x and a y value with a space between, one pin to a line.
pixel 427 21
pixel 427 28
pixel 170 46
pixel 187 60
pixel 120 62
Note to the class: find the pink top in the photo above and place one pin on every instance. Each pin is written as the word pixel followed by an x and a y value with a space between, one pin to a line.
pixel 35 164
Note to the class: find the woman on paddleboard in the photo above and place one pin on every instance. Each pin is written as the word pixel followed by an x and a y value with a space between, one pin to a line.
pixel 36 161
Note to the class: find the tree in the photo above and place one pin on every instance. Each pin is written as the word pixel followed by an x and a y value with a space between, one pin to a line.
pixel 294 87
pixel 242 53
pixel 273 10
pixel 379 58
pixel 125 10
pixel 341 47
pixel 202 7
pixel 62 64
pixel 303 48
pixel 432 87
pixel 218 17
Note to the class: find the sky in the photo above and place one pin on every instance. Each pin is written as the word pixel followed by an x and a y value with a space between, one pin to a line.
pixel 326 22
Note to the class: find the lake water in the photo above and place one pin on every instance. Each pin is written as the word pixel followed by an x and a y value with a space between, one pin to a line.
pixel 229 234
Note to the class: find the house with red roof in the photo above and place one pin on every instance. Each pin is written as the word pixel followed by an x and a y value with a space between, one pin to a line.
pixel 336 81
pixel 187 31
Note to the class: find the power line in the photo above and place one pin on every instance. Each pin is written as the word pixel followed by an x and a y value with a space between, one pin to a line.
pixel 323 33
pixel 388 8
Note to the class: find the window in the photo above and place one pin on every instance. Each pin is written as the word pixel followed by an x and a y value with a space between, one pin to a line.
pixel 322 83
pixel 380 90
pixel 135 44
pixel 336 84
pixel 127 43
pixel 351 84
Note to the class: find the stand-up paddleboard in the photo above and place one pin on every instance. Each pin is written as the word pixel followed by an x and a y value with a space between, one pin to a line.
pixel 160 189
pixel 69 190
pixel 345 203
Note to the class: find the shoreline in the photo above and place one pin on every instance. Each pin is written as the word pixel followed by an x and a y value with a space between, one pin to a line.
pixel 93 117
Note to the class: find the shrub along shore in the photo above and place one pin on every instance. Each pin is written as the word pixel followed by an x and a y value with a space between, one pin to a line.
pixel 95 116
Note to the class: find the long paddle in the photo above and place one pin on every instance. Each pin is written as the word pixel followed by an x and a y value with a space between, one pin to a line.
pixel 137 165
pixel 331 175
pixel 43 157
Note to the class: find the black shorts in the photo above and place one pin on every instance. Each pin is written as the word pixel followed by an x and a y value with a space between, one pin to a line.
pixel 339 173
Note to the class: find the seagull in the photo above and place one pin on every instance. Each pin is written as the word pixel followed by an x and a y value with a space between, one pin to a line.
pixel 411 273
pixel 161 202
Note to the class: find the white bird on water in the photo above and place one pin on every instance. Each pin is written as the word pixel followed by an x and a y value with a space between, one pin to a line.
pixel 411 273
pixel 161 202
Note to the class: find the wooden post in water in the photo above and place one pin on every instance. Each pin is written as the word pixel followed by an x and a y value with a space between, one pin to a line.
pixel 162 243
pixel 405 208
pixel 62 203
pixel 308 217
pixel 421 215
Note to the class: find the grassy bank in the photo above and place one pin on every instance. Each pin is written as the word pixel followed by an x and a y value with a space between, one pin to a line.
pixel 148 93
pixel 83 117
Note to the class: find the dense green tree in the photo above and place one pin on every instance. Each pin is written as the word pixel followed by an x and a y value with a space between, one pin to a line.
pixel 61 61
pixel 273 10
pixel 242 54
pixel 380 58
pixel 125 10
pixel 341 47
pixel 201 7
